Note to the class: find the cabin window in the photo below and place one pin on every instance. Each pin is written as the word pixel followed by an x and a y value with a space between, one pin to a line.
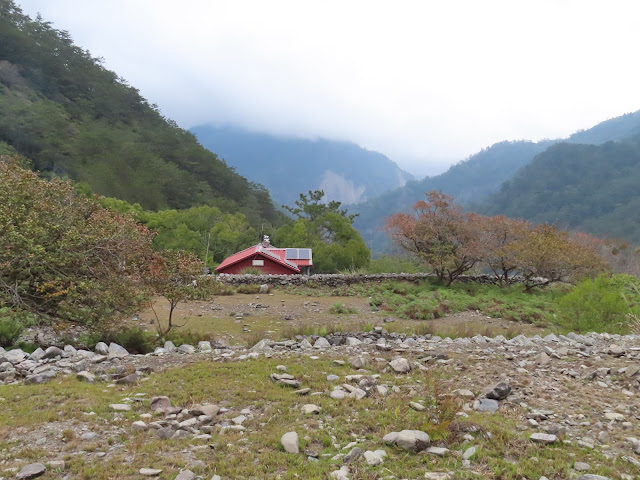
pixel 258 263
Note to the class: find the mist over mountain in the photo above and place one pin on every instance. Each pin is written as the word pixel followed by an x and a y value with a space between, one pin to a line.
pixel 290 166
pixel 475 179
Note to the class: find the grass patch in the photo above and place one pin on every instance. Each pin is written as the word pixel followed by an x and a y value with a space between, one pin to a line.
pixel 342 309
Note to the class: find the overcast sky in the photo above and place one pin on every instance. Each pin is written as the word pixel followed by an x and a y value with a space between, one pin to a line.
pixel 425 82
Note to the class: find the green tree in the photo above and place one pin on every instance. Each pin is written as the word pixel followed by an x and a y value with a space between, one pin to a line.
pixel 311 207
pixel 328 231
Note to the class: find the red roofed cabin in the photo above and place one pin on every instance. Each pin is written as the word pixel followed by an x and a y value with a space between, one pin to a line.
pixel 269 259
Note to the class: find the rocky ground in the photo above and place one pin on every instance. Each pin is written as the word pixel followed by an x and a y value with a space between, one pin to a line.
pixel 365 406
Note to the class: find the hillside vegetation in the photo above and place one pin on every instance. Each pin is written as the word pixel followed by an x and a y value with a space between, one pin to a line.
pixel 475 179
pixel 580 187
pixel 69 115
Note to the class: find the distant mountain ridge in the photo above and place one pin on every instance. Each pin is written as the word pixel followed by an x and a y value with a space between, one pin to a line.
pixel 475 179
pixel 592 188
pixel 288 166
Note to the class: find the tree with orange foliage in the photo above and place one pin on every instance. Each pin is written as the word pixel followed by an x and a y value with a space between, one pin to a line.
pixel 439 233
pixel 496 234
pixel 64 255
pixel 544 255
pixel 176 276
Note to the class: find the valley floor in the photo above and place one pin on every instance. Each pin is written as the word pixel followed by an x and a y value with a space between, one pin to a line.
pixel 583 392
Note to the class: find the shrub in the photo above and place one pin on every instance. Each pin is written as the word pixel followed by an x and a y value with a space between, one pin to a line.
pixel 63 254
pixel 10 330
pixel 606 303
pixel 189 337
pixel 12 323
pixel 341 308
pixel 249 288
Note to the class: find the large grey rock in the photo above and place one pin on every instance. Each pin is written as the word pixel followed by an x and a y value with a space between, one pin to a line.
pixel 41 377
pixel 321 343
pixel 15 356
pixel 116 350
pixel 150 472
pixel 544 438
pixel 169 347
pixel 352 456
pixel 204 346
pixel 161 402
pixel 374 458
pixel 85 376
pixel 592 477
pixel 52 352
pixel 101 348
pixel 485 405
pixel 186 475
pixel 500 391
pixel 358 361
pixel 185 348
pixel 264 288
pixel 290 442
pixel 400 365
pixel 409 440
pixel 263 346
pixel 37 354
pixel 32 470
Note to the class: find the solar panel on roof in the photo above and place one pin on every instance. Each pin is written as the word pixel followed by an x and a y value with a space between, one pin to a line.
pixel 304 253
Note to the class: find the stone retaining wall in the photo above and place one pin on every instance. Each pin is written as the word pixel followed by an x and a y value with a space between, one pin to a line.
pixel 337 280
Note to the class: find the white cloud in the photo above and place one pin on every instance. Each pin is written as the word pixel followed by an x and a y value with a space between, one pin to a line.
pixel 421 81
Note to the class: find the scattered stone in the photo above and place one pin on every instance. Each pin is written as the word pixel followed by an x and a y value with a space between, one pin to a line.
pixel 150 472
pixel 437 451
pixel 89 436
pixel 128 379
pixel 358 362
pixel 352 456
pixel 285 379
pixel 310 409
pixel 333 378
pixel 263 346
pixel 120 407
pixel 139 425
pixel 374 458
pixel 409 440
pixel 303 391
pixel 486 405
pixel 116 350
pixel 161 403
pixel 544 438
pixel 32 470
pixel 186 475
pixel 101 348
pixel 469 452
pixel 85 376
pixel 52 352
pixel 341 474
pixel 581 466
pixel 417 406
pixel 543 359
pixel 614 416
pixel 499 392
pixel 321 342
pixel 400 365
pixel 290 442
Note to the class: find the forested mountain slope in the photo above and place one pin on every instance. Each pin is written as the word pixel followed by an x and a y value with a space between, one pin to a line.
pixel 73 118
pixel 473 180
pixel 584 187
pixel 470 181
pixel 287 166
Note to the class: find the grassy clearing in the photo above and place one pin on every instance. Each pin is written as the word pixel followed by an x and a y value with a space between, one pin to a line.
pixel 503 452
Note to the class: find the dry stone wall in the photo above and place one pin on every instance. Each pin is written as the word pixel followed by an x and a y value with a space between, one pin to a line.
pixel 338 280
